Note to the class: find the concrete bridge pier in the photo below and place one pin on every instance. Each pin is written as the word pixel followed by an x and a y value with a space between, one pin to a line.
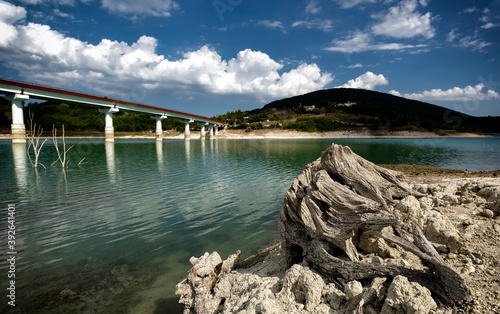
pixel 18 128
pixel 202 133
pixel 211 132
pixel 216 130
pixel 187 132
pixel 109 130
pixel 159 131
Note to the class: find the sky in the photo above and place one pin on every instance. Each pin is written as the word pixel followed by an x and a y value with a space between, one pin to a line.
pixel 214 56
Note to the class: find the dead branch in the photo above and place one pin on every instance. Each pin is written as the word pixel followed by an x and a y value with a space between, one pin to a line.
pixel 60 157
pixel 34 142
pixel 337 198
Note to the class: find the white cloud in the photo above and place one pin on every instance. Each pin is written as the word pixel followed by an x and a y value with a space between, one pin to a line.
pixel 468 93
pixel 31 1
pixel 366 81
pixel 452 35
pixel 354 66
pixel 272 24
pixel 346 4
pixel 359 42
pixel 473 42
pixel 403 21
pixel 9 14
pixel 312 7
pixel 51 2
pixel 130 8
pixel 485 19
pixel 471 10
pixel 62 14
pixel 136 8
pixel 323 25
pixel 489 25
pixel 113 67
pixel 468 41
pixel 423 2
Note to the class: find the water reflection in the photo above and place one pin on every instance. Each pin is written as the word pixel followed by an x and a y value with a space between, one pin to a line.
pixel 203 151
pixel 159 153
pixel 20 166
pixel 110 161
pixel 187 147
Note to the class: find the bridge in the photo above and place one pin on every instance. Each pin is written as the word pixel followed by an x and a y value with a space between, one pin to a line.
pixel 17 92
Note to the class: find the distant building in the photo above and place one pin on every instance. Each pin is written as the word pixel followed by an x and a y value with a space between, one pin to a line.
pixel 346 104
pixel 309 108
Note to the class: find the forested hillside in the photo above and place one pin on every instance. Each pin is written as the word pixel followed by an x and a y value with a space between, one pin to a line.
pixel 344 108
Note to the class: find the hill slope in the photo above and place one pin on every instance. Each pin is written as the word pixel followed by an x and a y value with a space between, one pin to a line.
pixel 351 108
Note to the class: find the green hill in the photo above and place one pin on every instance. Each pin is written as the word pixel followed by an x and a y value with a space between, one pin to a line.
pixel 345 108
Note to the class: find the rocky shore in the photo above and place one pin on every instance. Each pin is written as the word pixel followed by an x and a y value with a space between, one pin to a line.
pixel 359 238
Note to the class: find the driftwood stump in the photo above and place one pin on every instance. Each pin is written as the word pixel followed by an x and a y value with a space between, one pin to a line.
pixel 336 199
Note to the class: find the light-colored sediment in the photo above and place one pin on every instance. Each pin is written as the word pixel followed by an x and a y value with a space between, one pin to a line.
pixel 285 134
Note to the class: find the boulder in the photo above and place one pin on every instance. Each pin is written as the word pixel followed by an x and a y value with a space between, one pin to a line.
pixel 408 297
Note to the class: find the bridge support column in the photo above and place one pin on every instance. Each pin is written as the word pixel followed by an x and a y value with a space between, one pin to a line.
pixel 211 132
pixel 187 132
pixel 158 130
pixel 109 130
pixel 202 133
pixel 216 130
pixel 18 128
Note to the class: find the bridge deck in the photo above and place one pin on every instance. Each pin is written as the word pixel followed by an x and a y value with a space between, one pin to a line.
pixel 42 92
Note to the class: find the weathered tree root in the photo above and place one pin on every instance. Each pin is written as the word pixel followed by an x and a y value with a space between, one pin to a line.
pixel 340 196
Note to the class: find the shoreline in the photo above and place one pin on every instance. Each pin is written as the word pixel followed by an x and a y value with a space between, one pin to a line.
pixel 284 134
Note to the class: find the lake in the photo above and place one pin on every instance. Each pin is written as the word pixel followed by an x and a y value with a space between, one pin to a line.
pixel 119 228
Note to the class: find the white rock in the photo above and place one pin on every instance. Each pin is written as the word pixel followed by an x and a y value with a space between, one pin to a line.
pixel 426 203
pixel 334 297
pixel 353 289
pixel 404 296
pixel 488 213
pixel 439 230
pixel 409 208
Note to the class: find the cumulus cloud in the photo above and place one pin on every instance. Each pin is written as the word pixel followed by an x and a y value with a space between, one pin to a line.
pixel 9 14
pixel 366 81
pixel 468 93
pixel 111 66
pixel 359 42
pixel 403 21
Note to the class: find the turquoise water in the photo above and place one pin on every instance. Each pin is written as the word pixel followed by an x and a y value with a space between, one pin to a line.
pixel 119 228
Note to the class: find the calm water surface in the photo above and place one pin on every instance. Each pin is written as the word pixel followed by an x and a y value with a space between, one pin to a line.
pixel 119 229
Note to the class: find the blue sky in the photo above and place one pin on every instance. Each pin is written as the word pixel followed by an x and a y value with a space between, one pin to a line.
pixel 213 56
